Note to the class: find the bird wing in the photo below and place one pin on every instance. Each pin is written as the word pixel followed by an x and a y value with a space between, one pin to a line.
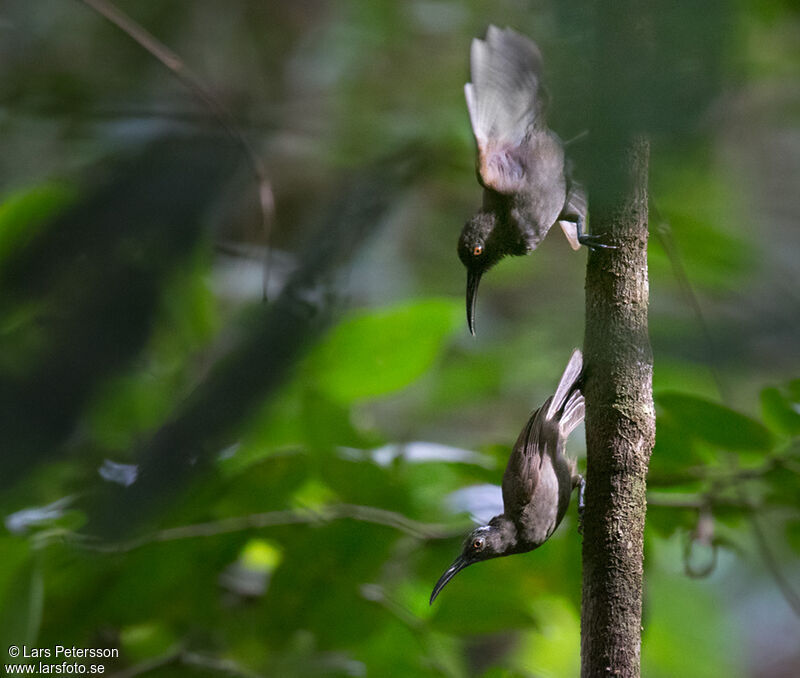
pixel 505 101
pixel 522 471
pixel 544 434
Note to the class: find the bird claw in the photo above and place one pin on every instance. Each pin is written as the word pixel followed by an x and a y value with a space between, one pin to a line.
pixel 581 503
pixel 594 242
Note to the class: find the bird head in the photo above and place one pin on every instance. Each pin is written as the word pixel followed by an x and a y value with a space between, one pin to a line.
pixel 490 541
pixel 478 250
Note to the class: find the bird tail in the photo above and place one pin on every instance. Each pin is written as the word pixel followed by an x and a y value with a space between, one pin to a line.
pixel 504 98
pixel 567 405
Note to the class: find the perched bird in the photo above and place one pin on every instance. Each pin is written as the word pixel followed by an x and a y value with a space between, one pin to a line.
pixel 537 483
pixel 521 164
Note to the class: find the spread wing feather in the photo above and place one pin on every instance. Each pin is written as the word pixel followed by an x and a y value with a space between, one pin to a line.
pixel 504 101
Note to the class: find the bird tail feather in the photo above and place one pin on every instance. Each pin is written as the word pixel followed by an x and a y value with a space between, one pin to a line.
pixel 573 412
pixel 567 405
pixel 504 97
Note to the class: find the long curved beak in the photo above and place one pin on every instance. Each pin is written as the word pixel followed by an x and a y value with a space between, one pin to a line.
pixel 459 564
pixel 473 278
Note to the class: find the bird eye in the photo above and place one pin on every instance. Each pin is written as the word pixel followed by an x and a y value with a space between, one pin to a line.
pixel 477 250
pixel 477 544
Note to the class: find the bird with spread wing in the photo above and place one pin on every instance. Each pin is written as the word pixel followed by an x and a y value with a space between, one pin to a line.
pixel 521 164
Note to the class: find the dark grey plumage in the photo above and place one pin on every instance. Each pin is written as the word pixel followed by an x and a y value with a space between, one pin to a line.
pixel 521 163
pixel 537 483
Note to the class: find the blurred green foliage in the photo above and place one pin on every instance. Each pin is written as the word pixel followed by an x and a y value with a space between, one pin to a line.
pixel 245 572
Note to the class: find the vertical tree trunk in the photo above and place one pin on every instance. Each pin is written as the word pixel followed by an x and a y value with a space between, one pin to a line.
pixel 620 423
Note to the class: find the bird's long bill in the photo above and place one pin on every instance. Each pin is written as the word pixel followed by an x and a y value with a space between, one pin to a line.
pixel 473 278
pixel 459 564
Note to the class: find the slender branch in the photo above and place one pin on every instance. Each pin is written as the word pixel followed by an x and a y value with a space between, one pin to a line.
pixel 183 657
pixel 416 626
pixel 170 60
pixel 663 233
pixel 791 596
pixel 726 475
pixel 366 514
pixel 208 663
pixel 148 665
pixel 699 572
pixel 773 567
pixel 697 501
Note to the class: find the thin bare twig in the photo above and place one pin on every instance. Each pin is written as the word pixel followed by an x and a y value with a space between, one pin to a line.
pixel 726 475
pixel 664 234
pixel 148 665
pixel 367 514
pixel 170 60
pixel 787 590
pixel 183 657
pixel 697 501
pixel 210 663
pixel 418 628
pixel 699 571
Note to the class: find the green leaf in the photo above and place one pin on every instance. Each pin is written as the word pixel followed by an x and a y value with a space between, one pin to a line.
pixel 261 555
pixel 372 354
pixel 695 199
pixel 502 672
pixel 554 650
pixel 21 594
pixel 715 423
pixel 188 317
pixel 276 427
pixel 665 520
pixel 502 608
pixel 794 390
pixel 793 535
pixel 322 573
pixel 298 419
pixel 22 213
pixel 685 613
pixel 127 406
pixel 779 412
pixel 673 452
pixel 782 486
pixel 143 641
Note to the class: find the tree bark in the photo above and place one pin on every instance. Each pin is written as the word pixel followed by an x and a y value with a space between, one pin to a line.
pixel 620 423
